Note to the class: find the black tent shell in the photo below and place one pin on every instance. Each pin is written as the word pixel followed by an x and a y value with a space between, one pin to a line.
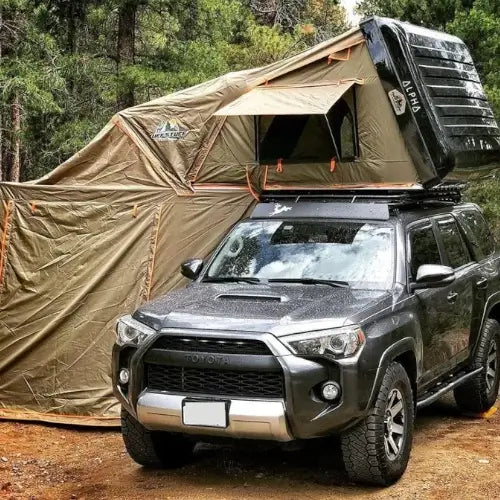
pixel 438 99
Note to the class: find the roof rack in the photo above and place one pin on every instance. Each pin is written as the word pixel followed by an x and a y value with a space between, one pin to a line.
pixel 444 194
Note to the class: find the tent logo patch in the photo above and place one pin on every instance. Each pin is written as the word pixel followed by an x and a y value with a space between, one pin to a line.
pixel 279 209
pixel 169 131
pixel 398 101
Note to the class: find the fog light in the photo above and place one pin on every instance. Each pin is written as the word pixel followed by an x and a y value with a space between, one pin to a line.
pixel 124 376
pixel 330 391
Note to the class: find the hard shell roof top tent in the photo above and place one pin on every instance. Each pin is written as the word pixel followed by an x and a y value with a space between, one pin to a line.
pixel 432 85
pixel 449 124
pixel 383 104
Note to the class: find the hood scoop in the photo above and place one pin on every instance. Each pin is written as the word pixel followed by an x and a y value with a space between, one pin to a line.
pixel 252 297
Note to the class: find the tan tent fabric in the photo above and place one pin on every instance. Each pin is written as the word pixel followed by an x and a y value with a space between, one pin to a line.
pixel 163 181
pixel 383 153
pixel 112 158
pixel 175 162
pixel 77 260
pixel 314 99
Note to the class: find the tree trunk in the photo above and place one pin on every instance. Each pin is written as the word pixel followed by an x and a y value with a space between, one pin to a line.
pixel 1 146
pixel 126 48
pixel 1 107
pixel 15 169
pixel 71 30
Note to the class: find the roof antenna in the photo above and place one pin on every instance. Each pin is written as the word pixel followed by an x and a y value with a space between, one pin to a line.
pixel 353 199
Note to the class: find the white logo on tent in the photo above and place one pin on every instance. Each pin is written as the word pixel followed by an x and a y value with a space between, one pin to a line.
pixel 279 209
pixel 412 95
pixel 169 131
pixel 398 101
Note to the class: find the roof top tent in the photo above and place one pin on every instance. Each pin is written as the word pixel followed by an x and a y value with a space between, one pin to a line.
pixel 431 84
pixel 438 99
pixel 384 103
pixel 387 104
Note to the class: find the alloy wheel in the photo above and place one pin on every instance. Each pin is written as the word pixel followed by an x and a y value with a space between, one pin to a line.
pixel 491 365
pixel 394 424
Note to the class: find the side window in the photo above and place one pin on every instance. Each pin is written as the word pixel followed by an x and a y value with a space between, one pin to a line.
pixel 423 248
pixel 454 245
pixel 479 232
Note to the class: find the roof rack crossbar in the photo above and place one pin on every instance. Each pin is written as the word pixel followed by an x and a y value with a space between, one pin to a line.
pixel 395 197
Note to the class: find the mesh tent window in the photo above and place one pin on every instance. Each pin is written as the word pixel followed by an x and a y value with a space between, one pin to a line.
pixel 302 122
pixel 309 138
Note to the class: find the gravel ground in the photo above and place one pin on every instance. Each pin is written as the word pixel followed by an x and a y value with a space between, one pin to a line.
pixel 453 457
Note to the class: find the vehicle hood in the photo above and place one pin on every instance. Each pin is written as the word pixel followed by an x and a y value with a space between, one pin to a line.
pixel 278 309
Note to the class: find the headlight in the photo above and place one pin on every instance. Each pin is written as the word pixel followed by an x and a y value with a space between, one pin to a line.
pixel 335 343
pixel 131 331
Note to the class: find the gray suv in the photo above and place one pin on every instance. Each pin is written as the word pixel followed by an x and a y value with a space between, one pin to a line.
pixel 318 315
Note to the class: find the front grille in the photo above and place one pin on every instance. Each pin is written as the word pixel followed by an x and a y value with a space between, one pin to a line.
pixel 211 344
pixel 215 382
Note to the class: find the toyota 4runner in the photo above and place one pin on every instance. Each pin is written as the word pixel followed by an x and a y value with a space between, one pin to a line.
pixel 320 314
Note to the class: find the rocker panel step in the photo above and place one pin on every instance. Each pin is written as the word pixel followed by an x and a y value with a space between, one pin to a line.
pixel 439 390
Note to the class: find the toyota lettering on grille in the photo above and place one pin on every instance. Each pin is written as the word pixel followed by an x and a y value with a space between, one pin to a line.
pixel 209 359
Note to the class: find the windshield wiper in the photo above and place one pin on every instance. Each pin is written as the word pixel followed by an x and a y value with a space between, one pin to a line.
pixel 253 280
pixel 233 279
pixel 311 281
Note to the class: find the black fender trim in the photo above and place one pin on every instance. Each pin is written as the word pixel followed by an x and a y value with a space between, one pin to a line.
pixel 493 300
pixel 407 344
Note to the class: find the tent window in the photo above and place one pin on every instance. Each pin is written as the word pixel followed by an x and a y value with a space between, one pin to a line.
pixel 343 128
pixel 307 138
pixel 347 137
pixel 297 138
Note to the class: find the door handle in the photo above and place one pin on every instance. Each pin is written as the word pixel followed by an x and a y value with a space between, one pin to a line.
pixel 482 282
pixel 452 297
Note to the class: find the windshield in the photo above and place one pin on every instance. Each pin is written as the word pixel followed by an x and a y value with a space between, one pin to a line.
pixel 357 253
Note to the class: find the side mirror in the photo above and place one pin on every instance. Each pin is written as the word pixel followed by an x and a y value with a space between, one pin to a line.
pixel 433 276
pixel 191 268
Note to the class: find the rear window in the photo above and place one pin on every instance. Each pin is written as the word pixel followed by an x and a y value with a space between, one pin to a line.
pixel 454 245
pixel 423 248
pixel 479 233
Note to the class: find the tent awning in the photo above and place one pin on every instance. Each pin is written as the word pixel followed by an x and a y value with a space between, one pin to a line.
pixel 312 99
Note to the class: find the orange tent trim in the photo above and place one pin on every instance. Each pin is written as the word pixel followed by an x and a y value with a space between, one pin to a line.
pixel 3 245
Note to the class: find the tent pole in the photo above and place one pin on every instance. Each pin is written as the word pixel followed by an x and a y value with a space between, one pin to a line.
pixel 256 141
pixel 332 137
pixel 355 124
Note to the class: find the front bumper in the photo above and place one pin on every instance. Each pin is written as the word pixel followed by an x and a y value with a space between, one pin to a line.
pixel 300 414
pixel 247 418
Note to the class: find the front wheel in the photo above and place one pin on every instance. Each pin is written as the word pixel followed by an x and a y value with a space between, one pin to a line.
pixel 377 450
pixel 479 393
pixel 154 449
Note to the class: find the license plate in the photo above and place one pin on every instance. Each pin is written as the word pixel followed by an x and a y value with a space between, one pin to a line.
pixel 205 413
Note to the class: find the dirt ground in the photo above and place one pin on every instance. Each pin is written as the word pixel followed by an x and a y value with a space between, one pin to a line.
pixel 453 457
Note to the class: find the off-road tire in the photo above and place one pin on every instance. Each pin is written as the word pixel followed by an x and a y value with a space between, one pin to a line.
pixel 363 446
pixel 154 449
pixel 474 396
